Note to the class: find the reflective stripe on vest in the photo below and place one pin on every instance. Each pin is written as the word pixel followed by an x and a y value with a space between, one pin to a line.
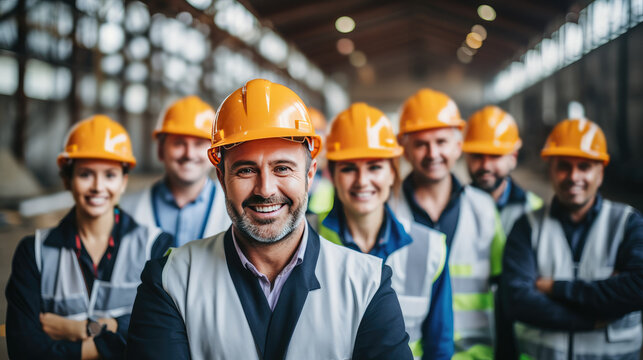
pixel 139 206
pixel 63 289
pixel 512 212
pixel 621 339
pixel 197 278
pixel 471 259
pixel 415 268
pixel 470 264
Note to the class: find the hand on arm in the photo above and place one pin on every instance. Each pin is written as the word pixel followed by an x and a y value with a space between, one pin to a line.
pixel 524 300
pixel 110 323
pixel 545 285
pixel 60 328
pixel 620 293
pixel 88 350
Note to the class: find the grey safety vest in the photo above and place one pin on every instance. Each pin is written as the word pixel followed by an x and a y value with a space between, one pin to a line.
pixel 197 278
pixel 63 289
pixel 470 266
pixel 415 269
pixel 513 211
pixel 139 206
pixel 621 339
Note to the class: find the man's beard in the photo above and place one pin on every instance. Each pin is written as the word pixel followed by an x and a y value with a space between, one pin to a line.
pixel 255 231
pixel 485 187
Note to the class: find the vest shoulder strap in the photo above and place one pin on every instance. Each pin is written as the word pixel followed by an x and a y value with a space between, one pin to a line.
pixel 39 239
pixel 534 202
pixel 326 233
pixel 535 219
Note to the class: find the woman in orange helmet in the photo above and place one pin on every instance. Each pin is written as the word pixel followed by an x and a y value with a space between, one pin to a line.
pixel 362 153
pixel 72 287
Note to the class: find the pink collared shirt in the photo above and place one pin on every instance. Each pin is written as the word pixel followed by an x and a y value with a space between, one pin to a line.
pixel 272 292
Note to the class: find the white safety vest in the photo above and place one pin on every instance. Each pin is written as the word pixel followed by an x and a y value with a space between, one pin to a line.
pixel 469 265
pixel 512 212
pixel 621 339
pixel 139 206
pixel 63 289
pixel 197 278
pixel 415 269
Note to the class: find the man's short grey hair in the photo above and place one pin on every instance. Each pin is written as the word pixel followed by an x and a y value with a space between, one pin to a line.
pixel 457 135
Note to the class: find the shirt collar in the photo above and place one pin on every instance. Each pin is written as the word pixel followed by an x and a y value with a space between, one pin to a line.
pixel 560 213
pixel 64 235
pixel 383 234
pixel 504 198
pixel 391 235
pixel 165 194
pixel 296 260
pixel 409 191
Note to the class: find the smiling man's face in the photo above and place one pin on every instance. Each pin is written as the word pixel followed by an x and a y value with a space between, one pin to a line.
pixel 575 180
pixel 266 187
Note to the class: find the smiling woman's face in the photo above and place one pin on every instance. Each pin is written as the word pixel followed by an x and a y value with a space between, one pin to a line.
pixel 96 186
pixel 363 185
pixel 266 187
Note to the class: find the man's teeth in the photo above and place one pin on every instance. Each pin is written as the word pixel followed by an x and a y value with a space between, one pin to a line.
pixel 265 209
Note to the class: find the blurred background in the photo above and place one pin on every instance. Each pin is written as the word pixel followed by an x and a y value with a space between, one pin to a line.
pixel 543 61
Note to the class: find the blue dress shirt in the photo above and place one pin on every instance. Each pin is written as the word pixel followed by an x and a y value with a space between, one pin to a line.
pixel 186 223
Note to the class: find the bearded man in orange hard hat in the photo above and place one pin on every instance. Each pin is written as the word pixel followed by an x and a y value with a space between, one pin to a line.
pixel 491 144
pixel 269 287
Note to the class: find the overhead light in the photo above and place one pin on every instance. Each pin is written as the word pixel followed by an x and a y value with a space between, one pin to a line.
pixel 273 47
pixel 474 40
pixel 357 59
pixel 345 24
pixel 467 50
pixel 486 12
pixel 135 98
pixel 297 65
pixel 200 4
pixel 110 38
pixel 345 46
pixel 8 75
pixel 463 56
pixel 480 30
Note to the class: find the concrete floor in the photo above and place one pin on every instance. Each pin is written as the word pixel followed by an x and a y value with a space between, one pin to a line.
pixel 13 227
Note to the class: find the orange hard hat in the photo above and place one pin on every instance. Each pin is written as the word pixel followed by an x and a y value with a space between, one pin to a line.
pixel 261 110
pixel 361 132
pixel 578 138
pixel 187 116
pixel 318 119
pixel 492 131
pixel 429 109
pixel 98 137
